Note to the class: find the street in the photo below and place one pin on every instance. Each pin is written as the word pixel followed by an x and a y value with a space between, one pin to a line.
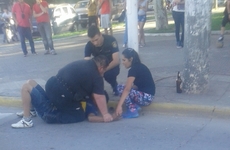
pixel 151 131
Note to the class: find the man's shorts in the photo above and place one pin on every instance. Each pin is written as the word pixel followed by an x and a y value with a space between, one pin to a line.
pixel 105 21
pixel 141 18
pixel 225 20
pixel 49 113
pixel 40 101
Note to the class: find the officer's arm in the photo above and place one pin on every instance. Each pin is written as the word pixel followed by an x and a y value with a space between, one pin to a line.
pixel 102 106
pixel 115 62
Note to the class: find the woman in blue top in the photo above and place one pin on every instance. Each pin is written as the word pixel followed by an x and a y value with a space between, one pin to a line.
pixel 139 89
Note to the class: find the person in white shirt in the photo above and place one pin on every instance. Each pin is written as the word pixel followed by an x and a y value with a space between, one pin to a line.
pixel 6 16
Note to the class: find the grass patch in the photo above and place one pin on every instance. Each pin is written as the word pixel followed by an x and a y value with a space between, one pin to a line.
pixel 216 20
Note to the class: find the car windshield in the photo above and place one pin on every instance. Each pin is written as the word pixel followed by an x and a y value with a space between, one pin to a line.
pixel 81 5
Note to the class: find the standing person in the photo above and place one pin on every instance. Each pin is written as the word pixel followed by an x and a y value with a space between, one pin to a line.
pixel 92 12
pixel 139 89
pixel 40 12
pixel 104 45
pixel 225 19
pixel 178 16
pixel 105 7
pixel 6 16
pixel 60 102
pixel 22 15
pixel 142 9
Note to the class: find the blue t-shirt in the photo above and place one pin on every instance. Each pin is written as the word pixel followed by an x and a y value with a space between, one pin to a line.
pixel 143 78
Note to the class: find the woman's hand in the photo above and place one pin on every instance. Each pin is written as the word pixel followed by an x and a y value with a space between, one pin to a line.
pixel 119 111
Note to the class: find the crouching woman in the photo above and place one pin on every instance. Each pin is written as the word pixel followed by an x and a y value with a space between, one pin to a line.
pixel 139 89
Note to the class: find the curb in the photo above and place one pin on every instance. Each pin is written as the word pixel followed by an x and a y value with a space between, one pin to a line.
pixel 172 108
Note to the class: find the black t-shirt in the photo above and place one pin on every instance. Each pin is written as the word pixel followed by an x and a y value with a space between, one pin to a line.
pixel 108 48
pixel 83 77
pixel 143 78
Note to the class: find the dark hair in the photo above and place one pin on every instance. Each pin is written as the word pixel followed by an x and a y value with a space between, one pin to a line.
pixel 131 53
pixel 101 60
pixel 93 30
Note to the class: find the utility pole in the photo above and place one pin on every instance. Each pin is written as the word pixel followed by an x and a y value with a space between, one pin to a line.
pixel 131 14
pixel 197 44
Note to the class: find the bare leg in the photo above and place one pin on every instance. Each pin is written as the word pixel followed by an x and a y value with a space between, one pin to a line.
pixel 106 31
pixel 26 98
pixel 111 31
pixel 222 29
pixel 141 32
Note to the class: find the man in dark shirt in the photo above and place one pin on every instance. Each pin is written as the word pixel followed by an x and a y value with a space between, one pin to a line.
pixel 61 101
pixel 104 45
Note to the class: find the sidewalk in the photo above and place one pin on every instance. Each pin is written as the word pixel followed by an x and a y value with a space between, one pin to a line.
pixel 161 56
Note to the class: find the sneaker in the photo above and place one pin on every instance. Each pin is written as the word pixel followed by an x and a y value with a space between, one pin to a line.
pixel 47 52
pixel 129 114
pixel 32 113
pixel 178 45
pixel 221 38
pixel 34 53
pixel 22 124
pixel 53 52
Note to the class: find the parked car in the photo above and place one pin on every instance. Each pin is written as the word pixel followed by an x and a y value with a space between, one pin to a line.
pixel 62 18
pixel 81 9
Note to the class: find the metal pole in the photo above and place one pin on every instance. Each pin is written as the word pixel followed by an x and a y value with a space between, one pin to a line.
pixel 132 24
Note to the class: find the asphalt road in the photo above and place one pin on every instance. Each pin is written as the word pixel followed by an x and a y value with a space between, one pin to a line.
pixel 151 131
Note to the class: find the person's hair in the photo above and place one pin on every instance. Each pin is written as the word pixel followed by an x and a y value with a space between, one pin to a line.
pixel 131 53
pixel 101 60
pixel 93 30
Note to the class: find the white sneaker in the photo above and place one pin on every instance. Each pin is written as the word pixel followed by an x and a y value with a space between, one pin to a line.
pixel 32 113
pixel 53 52
pixel 23 124
pixel 47 52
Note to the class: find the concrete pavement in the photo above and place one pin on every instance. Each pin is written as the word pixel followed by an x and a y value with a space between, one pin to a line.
pixel 160 55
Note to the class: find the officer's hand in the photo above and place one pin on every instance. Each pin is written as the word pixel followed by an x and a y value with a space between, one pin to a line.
pixel 107 117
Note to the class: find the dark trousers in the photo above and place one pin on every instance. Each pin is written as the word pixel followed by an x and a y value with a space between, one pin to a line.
pixel 46 34
pixel 25 32
pixel 179 23
pixel 111 77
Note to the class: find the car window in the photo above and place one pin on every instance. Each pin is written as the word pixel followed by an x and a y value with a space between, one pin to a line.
pixel 65 10
pixel 57 12
pixel 72 10
pixel 81 5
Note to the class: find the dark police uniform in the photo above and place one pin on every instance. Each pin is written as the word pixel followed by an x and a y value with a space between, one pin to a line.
pixel 109 47
pixel 57 104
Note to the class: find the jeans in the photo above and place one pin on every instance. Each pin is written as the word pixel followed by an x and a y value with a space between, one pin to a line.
pixel 46 34
pixel 111 77
pixel 179 22
pixel 49 113
pixel 25 32
pixel 125 40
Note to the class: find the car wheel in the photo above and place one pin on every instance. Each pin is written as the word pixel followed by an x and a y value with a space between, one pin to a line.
pixel 83 25
pixel 74 27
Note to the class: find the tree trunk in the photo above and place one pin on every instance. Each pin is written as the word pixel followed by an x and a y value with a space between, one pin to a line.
pixel 160 14
pixel 197 42
pixel 215 4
